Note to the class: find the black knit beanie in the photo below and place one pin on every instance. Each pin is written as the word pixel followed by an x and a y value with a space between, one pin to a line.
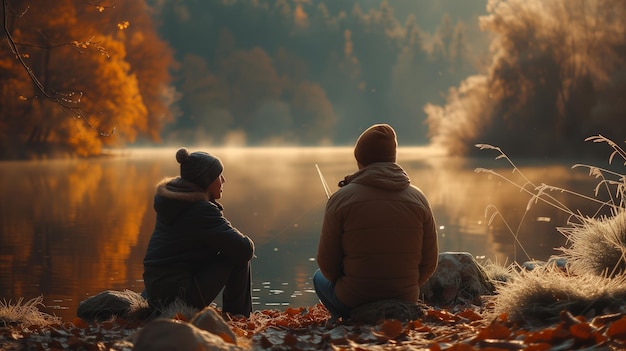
pixel 376 144
pixel 199 167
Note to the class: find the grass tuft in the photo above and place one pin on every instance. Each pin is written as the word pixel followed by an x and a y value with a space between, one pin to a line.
pixel 598 246
pixel 25 313
pixel 593 281
pixel 536 298
pixel 178 308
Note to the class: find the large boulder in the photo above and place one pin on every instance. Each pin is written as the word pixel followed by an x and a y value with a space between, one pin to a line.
pixel 211 320
pixel 458 279
pixel 173 335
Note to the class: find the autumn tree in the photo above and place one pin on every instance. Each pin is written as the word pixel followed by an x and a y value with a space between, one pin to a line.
pixel 79 76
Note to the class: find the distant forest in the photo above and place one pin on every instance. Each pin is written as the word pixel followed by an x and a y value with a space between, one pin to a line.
pixel 311 72
pixel 535 77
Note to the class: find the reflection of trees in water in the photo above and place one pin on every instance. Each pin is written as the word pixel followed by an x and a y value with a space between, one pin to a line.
pixel 72 225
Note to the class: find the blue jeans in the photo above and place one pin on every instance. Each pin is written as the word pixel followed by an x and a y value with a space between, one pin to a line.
pixel 325 290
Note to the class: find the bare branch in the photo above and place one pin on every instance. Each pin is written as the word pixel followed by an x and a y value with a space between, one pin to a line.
pixel 63 101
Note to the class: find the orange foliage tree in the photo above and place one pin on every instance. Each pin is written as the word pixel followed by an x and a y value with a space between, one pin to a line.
pixel 77 76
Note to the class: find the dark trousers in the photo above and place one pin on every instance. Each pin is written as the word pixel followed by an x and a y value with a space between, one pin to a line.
pixel 218 275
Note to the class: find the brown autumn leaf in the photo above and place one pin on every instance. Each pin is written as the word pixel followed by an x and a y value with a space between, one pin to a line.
pixel 290 339
pixel 290 311
pixel 442 315
pixel 390 329
pixel 418 326
pixel 461 347
pixel 494 331
pixel 80 323
pixel 470 314
pixel 581 331
pixel 617 329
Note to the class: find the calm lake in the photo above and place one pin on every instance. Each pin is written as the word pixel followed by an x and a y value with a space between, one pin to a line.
pixel 70 229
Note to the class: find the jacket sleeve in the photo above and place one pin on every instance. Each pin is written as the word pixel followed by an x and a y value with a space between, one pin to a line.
pixel 329 251
pixel 430 249
pixel 226 239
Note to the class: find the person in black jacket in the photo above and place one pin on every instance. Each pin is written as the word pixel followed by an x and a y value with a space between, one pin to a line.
pixel 194 251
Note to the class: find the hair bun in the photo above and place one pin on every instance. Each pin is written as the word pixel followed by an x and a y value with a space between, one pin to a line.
pixel 182 154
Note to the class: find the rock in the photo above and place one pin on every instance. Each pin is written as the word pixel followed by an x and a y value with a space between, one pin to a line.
pixel 166 334
pixel 210 320
pixel 125 304
pixel 458 278
pixel 554 262
pixel 375 312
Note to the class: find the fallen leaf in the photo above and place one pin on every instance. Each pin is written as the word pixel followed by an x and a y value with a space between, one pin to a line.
pixel 617 329
pixel 538 347
pixel 470 314
pixel 581 331
pixel 461 347
pixel 391 328
pixel 494 331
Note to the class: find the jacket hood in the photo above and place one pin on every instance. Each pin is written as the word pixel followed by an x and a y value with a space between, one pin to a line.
pixel 175 195
pixel 383 175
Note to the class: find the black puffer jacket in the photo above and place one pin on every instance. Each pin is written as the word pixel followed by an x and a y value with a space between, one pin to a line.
pixel 190 231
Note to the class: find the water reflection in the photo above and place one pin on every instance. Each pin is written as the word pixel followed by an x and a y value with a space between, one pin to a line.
pixel 70 229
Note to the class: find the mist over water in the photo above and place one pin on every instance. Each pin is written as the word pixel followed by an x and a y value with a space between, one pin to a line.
pixel 71 229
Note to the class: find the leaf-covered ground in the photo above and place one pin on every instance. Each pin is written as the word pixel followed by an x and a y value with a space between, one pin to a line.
pixel 307 328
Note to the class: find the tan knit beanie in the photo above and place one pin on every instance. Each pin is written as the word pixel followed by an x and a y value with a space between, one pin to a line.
pixel 376 144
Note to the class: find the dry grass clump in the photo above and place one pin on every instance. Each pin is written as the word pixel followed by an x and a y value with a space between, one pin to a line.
pixel 497 273
pixel 536 298
pixel 598 246
pixel 178 308
pixel 25 313
pixel 593 281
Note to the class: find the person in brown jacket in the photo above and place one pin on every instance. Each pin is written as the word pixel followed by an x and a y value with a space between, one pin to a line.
pixel 379 238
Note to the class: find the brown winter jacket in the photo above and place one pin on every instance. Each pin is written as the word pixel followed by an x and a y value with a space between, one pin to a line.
pixel 379 239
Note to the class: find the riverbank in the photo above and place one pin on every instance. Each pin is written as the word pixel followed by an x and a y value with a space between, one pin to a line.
pixel 307 328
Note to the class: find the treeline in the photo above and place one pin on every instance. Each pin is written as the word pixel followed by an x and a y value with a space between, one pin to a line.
pixel 309 72
pixel 557 76
pixel 76 76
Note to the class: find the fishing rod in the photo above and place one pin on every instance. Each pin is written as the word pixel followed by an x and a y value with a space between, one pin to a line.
pixel 323 180
pixel 290 226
